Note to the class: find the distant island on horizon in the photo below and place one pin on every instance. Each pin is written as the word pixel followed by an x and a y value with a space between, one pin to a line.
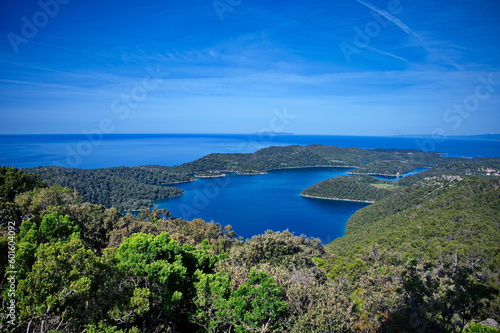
pixel 271 133
pixel 473 137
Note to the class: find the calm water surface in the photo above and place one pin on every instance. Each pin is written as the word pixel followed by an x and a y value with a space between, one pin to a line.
pixel 254 204
pixel 87 152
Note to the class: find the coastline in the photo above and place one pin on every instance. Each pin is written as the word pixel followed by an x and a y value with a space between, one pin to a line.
pixel 316 166
pixel 153 202
pixel 337 199
pixel 187 181
pixel 265 172
pixel 374 174
pixel 251 173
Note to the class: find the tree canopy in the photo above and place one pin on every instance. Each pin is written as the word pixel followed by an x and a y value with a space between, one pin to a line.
pixel 425 257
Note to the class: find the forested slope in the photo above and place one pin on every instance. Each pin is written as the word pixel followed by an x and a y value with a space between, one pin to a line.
pixel 356 188
pixel 125 188
pixel 366 188
pixel 385 161
pixel 79 267
pixel 438 215
pixel 449 222
pixel 459 167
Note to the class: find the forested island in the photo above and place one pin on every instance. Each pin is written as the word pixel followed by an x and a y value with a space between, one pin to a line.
pixel 366 161
pixel 424 257
pixel 130 188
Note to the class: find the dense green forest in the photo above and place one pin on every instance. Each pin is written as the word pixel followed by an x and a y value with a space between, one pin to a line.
pixel 386 161
pixel 449 223
pixel 423 260
pixel 444 214
pixel 125 188
pixel 358 188
pixel 366 188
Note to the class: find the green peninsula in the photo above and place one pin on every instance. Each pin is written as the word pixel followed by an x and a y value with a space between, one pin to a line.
pixel 124 188
pixel 369 189
pixel 351 188
pixel 366 161
pixel 441 214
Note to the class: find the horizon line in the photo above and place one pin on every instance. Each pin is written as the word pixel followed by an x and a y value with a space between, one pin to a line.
pixel 253 133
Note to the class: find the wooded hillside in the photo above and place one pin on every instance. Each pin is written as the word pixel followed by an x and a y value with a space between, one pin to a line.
pixel 125 188
pixel 425 259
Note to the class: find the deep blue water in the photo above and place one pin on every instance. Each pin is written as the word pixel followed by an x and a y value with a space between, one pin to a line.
pixel 254 204
pixel 251 204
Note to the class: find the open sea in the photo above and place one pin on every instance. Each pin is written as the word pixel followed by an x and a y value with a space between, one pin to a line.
pixel 251 204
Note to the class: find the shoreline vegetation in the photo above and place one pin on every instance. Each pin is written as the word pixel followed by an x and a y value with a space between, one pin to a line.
pixel 375 161
pixel 179 182
pixel 336 199
pixel 210 175
pixel 358 188
pixel 251 173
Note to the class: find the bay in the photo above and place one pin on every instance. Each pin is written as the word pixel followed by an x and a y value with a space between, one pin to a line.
pixel 254 204
pixel 394 178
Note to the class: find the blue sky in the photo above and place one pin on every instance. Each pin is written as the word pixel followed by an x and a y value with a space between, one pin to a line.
pixel 351 67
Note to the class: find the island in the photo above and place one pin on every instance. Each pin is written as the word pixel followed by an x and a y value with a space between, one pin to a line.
pixel 130 188
pixel 364 161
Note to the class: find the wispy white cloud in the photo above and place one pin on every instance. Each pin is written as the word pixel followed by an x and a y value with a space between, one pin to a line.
pixel 263 55
pixel 416 37
pixel 390 17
